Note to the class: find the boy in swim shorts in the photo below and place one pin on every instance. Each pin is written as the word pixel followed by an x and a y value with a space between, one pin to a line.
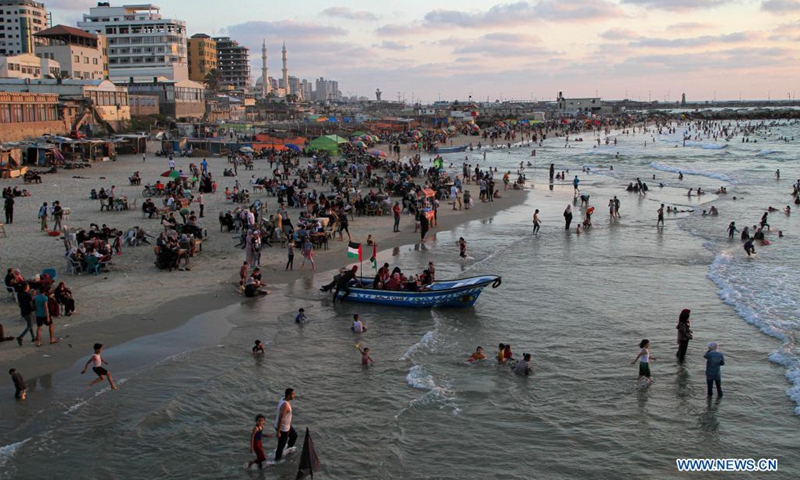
pixel 97 368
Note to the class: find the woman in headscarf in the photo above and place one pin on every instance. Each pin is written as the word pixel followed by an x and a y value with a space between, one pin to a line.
pixel 684 333
pixel 567 216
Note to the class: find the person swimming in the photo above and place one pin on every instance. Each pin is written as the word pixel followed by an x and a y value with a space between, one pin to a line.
pixel 477 355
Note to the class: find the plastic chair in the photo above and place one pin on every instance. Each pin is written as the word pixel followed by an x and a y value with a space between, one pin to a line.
pixel 73 266
pixel 92 264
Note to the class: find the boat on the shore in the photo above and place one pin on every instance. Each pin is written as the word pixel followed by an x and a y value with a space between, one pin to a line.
pixel 462 292
pixel 440 150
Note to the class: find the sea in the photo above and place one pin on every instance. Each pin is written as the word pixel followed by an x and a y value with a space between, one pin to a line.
pixel 579 303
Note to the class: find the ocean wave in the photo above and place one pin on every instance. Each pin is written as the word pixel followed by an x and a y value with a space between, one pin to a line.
pixel 764 153
pixel 763 296
pixel 420 379
pixel 686 171
pixel 8 451
pixel 427 343
pixel 707 146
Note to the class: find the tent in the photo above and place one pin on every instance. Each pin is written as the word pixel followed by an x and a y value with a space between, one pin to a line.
pixel 329 143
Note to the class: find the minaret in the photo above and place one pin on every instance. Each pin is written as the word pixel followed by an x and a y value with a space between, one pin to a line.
pixel 264 72
pixel 286 87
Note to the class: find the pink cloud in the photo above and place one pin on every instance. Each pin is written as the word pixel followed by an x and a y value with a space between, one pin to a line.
pixel 349 14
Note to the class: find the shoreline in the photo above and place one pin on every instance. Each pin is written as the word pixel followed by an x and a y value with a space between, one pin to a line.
pixel 173 306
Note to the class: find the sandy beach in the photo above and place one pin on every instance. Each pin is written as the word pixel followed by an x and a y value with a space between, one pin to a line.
pixel 135 298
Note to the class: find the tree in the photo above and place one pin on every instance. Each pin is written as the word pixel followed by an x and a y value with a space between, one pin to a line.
pixel 213 80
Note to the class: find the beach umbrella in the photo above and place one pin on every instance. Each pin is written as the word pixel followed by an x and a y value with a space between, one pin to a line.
pixel 359 143
pixel 292 146
pixel 171 174
pixel 246 150
pixel 378 153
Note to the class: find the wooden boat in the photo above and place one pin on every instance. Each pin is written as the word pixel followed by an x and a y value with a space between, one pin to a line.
pixel 441 150
pixel 462 292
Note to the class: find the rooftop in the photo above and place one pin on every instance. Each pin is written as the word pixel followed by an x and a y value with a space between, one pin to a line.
pixel 64 30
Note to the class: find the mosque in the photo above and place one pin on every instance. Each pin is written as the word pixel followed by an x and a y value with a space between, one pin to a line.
pixel 264 88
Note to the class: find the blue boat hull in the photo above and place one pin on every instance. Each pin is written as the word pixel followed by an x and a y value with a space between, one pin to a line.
pixel 450 293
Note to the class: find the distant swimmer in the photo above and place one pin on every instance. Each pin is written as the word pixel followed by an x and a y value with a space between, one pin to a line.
pixel 301 316
pixel 366 359
pixel 258 348
pixel 358 325
pixel 523 367
pixel 477 355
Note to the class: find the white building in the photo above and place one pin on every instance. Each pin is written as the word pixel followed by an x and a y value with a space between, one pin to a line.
pixel 19 21
pixel 30 66
pixel 81 54
pixel 140 42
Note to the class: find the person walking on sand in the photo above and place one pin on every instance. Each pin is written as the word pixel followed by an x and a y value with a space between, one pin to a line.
pixel 43 213
pixel 26 308
pixel 290 252
pixel 644 358
pixel 536 222
pixel 714 360
pixel 255 443
pixel 575 183
pixel 684 333
pixel 283 425
pixel 660 220
pixel 308 254
pixel 97 367
pixel 43 317
pixel 567 216
pixel 396 211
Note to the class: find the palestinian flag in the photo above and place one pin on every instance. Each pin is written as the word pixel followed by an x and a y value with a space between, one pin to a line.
pixel 374 259
pixel 354 250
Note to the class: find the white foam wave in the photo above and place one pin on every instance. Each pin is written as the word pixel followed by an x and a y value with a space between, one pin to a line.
pixel 706 146
pixel 764 153
pixel 687 171
pixel 8 451
pixel 764 297
pixel 427 343
pixel 420 379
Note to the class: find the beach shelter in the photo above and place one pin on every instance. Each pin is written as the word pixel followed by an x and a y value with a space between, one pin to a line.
pixel 329 143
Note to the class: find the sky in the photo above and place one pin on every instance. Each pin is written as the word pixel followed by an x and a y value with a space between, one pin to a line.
pixel 424 51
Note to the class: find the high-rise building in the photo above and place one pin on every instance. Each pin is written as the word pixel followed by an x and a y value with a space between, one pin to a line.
pixel 233 63
pixel 202 56
pixel 19 21
pixel 140 42
pixel 307 90
pixel 80 54
pixel 294 87
pixel 321 92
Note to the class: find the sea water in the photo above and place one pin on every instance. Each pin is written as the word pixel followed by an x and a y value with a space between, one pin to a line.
pixel 579 304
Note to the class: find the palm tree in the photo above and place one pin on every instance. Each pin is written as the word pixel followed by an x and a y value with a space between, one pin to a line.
pixel 213 80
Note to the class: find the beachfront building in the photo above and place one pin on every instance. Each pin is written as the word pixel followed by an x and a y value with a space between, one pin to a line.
pixel 202 55
pixel 20 20
pixel 176 98
pixel 25 115
pixel 574 106
pixel 140 42
pixel 233 63
pixel 81 54
pixel 26 65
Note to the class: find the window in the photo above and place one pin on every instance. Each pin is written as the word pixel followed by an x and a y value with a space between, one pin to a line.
pixel 5 113
pixel 76 58
pixel 86 60
pixel 94 60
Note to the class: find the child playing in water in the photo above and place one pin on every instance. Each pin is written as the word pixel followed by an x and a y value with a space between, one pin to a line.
pixel 462 247
pixel 97 367
pixel 255 443
pixel 258 348
pixel 478 355
pixel 500 357
pixel 365 358
pixel 301 316
pixel 644 360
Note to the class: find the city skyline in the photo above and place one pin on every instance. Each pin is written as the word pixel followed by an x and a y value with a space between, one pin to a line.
pixel 639 49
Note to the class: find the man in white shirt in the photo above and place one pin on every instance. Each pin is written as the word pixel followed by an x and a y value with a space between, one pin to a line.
pixel 283 425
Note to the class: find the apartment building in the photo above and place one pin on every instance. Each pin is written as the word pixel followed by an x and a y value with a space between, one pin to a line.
pixel 202 54
pixel 140 41
pixel 20 20
pixel 81 54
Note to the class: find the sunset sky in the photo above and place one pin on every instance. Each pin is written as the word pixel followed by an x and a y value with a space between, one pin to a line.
pixel 519 50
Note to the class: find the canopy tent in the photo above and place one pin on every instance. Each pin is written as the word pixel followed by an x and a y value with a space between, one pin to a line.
pixel 329 143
